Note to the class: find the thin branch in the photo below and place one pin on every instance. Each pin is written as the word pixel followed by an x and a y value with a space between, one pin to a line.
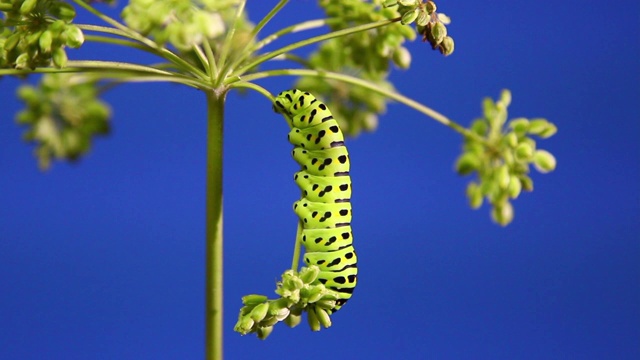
pixel 313 40
pixel 226 46
pixel 252 86
pixel 367 85
pixel 306 25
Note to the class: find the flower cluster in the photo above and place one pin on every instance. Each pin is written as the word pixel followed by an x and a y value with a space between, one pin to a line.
pixel 62 116
pixel 430 24
pixel 298 292
pixel 182 23
pixel 35 33
pixel 500 153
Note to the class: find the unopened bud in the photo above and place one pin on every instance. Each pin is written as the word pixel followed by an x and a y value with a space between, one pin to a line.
pixel 502 213
pixel 314 323
pixel 447 46
pixel 259 312
pixel 544 161
pixel 59 57
pixel 323 317
pixel 431 7
pixel 263 332
pixel 409 17
pixel 45 41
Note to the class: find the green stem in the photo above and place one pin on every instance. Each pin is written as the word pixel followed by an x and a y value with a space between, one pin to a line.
pixel 367 85
pixel 296 249
pixel 311 24
pixel 260 59
pixel 252 86
pixel 226 46
pixel 213 261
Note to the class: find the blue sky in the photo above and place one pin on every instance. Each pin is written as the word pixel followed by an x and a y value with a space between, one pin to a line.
pixel 104 259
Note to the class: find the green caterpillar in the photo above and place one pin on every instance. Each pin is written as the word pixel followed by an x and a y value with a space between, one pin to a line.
pixel 325 207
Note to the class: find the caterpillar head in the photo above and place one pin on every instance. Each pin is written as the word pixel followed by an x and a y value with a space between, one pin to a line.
pixel 301 108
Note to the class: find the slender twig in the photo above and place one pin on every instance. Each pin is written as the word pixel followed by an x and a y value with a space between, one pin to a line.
pixel 226 45
pixel 306 25
pixel 296 249
pixel 213 261
pixel 313 40
pixel 253 86
pixel 371 86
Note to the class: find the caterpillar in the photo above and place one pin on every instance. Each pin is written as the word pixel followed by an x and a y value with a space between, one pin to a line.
pixel 325 207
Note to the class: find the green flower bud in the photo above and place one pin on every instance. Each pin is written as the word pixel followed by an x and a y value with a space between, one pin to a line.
pixel 444 19
pixel 505 97
pixel 431 7
pixel 45 41
pixel 502 213
pixel 520 126
pixel 515 187
pixel 244 325
pixel 59 57
pixel 312 319
pixel 259 312
pixel 524 151
pixel 447 46
pixel 527 183
pixel 74 36
pixel 438 33
pixel 408 2
pixel 269 321
pixel 29 95
pixel 263 332
pixel 402 57
pixel 282 314
pixel 254 299
pixel 33 38
pixel 468 163
pixel 309 274
pixel 544 161
pixel 326 304
pixel 277 305
pixel 479 127
pixel 12 41
pixel 323 317
pixel 293 320
pixel 388 3
pixel 502 177
pixel 542 128
pixel 64 11
pixel 22 61
pixel 423 18
pixel 409 17
pixel 474 194
pixel 511 140
pixel 549 131
pixel 28 6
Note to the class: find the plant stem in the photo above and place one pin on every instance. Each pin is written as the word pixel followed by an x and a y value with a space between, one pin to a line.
pixel 367 85
pixel 213 262
pixel 262 58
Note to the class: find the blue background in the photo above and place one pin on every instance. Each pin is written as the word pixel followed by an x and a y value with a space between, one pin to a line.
pixel 104 259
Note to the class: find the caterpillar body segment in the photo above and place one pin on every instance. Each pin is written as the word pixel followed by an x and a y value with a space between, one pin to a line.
pixel 323 188
pixel 325 207
pixel 323 136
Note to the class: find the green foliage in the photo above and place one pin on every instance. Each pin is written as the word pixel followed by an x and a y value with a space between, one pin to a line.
pixel 185 24
pixel 299 292
pixel 62 115
pixel 499 153
pixel 35 33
